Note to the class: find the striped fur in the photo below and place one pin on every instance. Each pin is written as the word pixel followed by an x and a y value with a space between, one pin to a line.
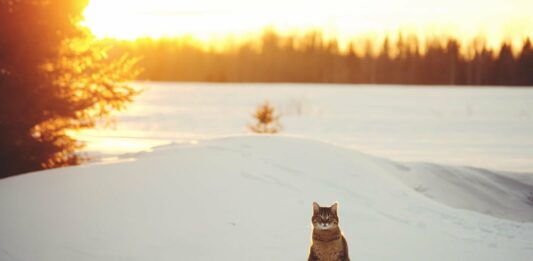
pixel 328 243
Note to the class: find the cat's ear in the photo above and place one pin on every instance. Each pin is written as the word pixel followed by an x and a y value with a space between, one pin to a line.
pixel 334 208
pixel 316 207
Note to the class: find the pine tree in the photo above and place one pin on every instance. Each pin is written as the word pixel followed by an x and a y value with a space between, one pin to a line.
pixel 267 119
pixel 53 79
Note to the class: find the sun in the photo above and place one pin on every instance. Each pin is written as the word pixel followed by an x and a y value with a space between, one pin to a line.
pixel 159 18
pixel 497 21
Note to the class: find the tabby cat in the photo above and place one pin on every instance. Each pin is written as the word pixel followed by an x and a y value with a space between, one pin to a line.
pixel 328 243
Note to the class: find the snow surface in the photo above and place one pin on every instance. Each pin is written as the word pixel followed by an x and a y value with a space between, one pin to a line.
pixel 483 127
pixel 249 198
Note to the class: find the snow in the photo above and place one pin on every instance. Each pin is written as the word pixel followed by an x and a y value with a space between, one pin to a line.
pixel 482 127
pixel 250 198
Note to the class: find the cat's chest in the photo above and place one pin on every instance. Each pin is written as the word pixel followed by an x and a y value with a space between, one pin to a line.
pixel 328 251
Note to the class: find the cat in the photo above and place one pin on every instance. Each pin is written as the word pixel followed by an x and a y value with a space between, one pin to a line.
pixel 328 242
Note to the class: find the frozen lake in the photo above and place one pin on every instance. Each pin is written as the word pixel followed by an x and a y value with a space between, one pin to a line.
pixel 483 127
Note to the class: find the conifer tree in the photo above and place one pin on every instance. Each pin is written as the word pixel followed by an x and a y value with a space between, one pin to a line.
pixel 53 79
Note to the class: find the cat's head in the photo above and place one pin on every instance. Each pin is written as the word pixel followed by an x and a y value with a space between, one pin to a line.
pixel 325 217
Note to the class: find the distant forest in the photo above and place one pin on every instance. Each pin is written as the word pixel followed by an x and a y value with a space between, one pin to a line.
pixel 312 59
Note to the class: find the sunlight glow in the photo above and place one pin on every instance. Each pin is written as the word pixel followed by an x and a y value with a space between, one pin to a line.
pixel 496 20
pixel 114 141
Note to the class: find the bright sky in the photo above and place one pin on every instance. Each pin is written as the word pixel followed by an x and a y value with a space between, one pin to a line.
pixel 497 20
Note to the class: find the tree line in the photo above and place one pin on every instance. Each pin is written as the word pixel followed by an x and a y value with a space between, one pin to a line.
pixel 313 59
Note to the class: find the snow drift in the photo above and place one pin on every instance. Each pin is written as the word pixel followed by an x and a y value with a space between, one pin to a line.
pixel 249 198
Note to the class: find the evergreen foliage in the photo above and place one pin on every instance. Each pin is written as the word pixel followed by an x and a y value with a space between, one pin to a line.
pixel 313 59
pixel 267 120
pixel 54 78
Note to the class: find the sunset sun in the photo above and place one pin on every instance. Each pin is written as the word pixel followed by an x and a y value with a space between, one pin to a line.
pixel 207 19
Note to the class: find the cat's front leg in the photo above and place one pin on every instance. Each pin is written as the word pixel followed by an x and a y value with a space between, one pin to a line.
pixel 345 257
pixel 312 256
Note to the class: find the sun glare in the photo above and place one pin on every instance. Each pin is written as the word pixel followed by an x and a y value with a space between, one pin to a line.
pixel 497 21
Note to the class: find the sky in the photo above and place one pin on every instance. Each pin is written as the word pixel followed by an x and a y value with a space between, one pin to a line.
pixel 496 20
